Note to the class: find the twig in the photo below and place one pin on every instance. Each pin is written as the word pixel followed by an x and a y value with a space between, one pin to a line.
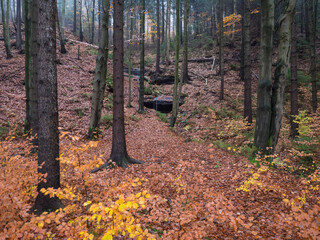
pixel 198 75
pixel 213 61
pixel 255 74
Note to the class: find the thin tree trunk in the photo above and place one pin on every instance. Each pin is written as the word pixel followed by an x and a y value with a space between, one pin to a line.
pixel 99 19
pixel 158 40
pixel 294 83
pixel 168 32
pixel 247 61
pixel 28 62
pixel 175 104
pixel 74 17
pixel 281 71
pixel 262 131
pixel 46 82
pixel 63 19
pixel 80 20
pixel 99 82
pixel 313 6
pixel 62 41
pixel 307 19
pixel 221 50
pixel 185 42
pixel 130 53
pixel 163 23
pixel 142 37
pixel 92 24
pixel 19 37
pixel 6 31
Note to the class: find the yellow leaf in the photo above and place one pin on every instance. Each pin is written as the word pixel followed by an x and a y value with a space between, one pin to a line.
pixel 148 195
pixel 135 205
pixel 40 224
pixel 107 237
pixel 122 207
pixel 141 200
pixel 129 204
pixel 138 194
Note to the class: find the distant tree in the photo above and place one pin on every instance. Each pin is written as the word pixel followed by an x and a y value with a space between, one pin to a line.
pixel 92 22
pixel 28 64
pixel 313 8
pixel 158 39
pixel 294 83
pixel 5 24
pixel 247 61
pixel 80 20
pixel 74 16
pixel 221 49
pixel 63 19
pixel 175 104
pixel 130 53
pixel 99 82
pixel 142 37
pixel 19 37
pixel 44 65
pixel 61 35
pixel 185 42
pixel 167 55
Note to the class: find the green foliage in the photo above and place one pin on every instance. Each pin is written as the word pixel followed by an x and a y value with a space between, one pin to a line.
pixel 110 55
pixel 85 95
pixel 3 133
pixel 162 117
pixel 91 51
pixel 147 91
pixel 303 122
pixel 134 118
pixel 109 81
pixel 148 61
pixel 234 67
pixel 79 112
pixel 223 113
pixel 107 120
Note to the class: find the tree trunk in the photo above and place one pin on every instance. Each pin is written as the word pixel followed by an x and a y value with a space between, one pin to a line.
pixel 158 39
pixel 175 104
pixel 46 82
pixel 142 37
pixel 99 19
pixel 163 23
pixel 247 61
pixel 80 20
pixel 262 131
pixel 313 6
pixel 119 153
pixel 74 17
pixel 99 82
pixel 307 19
pixel 168 33
pixel 92 24
pixel 185 42
pixel 63 19
pixel 281 71
pixel 19 37
pixel 28 63
pixel 294 83
pixel 130 53
pixel 62 41
pixel 221 49
pixel 6 31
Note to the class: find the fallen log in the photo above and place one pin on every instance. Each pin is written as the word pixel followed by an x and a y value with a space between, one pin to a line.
pixel 82 43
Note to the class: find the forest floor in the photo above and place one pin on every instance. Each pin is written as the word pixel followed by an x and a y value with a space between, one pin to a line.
pixel 197 190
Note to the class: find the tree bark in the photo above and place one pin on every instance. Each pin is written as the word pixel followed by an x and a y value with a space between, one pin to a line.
pixel 175 104
pixel 185 42
pixel 294 83
pixel 6 30
pixel 163 23
pixel 142 37
pixel 62 41
pixel 46 82
pixel 80 20
pixel 262 131
pixel 221 50
pixel 99 82
pixel 247 61
pixel 281 71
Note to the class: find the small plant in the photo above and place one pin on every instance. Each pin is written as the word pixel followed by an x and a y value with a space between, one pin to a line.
pixel 3 133
pixel 85 95
pixel 147 91
pixel 162 117
pixel 134 118
pixel 79 112
pixel 234 67
pixel 107 120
